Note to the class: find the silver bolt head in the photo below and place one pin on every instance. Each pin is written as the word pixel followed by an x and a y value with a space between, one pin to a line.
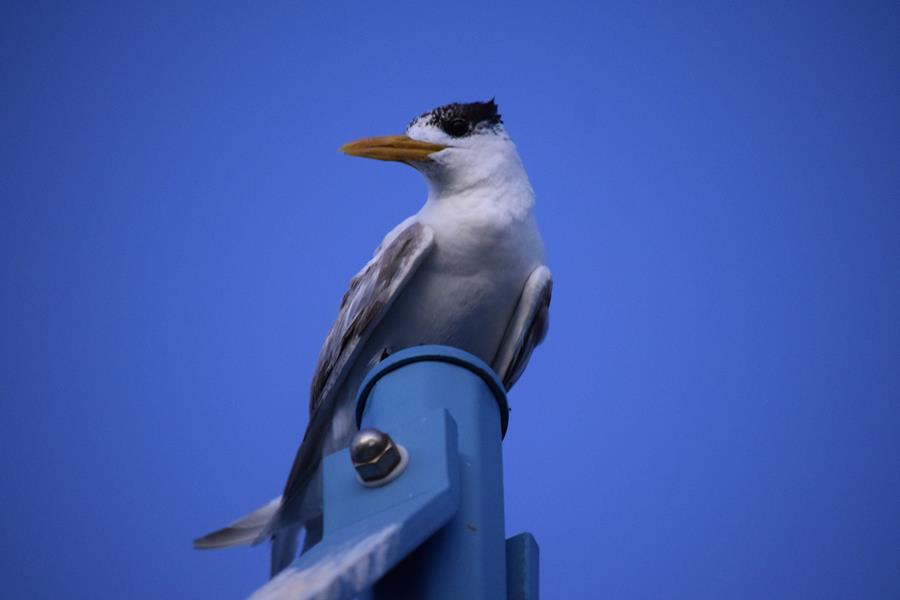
pixel 374 454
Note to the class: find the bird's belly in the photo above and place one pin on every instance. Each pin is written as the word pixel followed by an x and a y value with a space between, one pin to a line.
pixel 459 312
pixel 456 307
pixel 469 311
pixel 462 295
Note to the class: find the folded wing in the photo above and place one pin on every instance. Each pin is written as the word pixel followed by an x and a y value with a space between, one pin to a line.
pixel 527 328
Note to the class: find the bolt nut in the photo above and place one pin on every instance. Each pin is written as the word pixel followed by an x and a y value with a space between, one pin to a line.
pixel 375 456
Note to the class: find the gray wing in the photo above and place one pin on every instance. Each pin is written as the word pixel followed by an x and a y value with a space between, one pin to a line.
pixel 527 328
pixel 371 294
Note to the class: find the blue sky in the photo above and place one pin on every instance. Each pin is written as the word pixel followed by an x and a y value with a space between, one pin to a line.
pixel 716 410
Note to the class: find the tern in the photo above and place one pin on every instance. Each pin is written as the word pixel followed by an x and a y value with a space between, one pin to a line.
pixel 467 270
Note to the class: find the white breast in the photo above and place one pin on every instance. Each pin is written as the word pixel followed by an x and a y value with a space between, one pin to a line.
pixel 466 291
pixel 462 295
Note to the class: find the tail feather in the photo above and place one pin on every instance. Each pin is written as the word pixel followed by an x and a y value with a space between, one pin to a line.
pixel 278 522
pixel 245 530
pixel 284 548
pixel 307 506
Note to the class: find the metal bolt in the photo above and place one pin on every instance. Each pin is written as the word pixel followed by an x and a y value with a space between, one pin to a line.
pixel 375 456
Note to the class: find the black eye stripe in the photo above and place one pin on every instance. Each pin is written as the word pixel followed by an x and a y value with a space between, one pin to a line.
pixel 461 119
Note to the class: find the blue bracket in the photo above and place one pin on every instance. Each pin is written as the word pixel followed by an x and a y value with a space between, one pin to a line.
pixel 369 530
pixel 437 531
pixel 522 555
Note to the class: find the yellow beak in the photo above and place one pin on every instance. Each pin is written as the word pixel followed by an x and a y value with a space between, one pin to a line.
pixel 392 147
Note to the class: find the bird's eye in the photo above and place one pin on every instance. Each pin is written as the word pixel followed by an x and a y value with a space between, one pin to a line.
pixel 457 127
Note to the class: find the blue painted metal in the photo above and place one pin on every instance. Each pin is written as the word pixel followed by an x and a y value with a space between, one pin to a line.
pixel 522 560
pixel 467 557
pixel 369 530
pixel 437 531
pixel 438 354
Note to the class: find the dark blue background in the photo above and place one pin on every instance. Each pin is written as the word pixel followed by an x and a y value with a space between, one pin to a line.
pixel 716 411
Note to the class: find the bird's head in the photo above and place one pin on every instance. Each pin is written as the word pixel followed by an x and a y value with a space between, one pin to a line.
pixel 456 146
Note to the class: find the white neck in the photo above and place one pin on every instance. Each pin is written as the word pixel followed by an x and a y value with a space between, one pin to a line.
pixel 490 176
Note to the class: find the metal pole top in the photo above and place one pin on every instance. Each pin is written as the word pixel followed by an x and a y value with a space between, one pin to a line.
pixel 435 353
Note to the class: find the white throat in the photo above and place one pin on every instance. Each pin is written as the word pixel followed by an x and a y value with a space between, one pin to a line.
pixel 488 175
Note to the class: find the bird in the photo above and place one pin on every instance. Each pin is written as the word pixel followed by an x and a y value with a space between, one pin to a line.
pixel 467 270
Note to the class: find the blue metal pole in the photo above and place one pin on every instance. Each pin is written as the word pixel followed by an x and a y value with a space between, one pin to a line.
pixel 420 516
pixel 467 557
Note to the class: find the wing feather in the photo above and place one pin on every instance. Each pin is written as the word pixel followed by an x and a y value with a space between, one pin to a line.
pixel 527 328
pixel 372 292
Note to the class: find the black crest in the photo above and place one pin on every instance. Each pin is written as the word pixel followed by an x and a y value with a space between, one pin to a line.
pixel 461 119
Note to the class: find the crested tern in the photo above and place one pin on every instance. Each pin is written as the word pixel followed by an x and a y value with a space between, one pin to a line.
pixel 467 270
